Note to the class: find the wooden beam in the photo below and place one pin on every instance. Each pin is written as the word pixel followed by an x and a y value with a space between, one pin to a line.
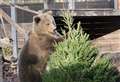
pixel 25 9
pixel 13 32
pixel 21 8
pixel 10 21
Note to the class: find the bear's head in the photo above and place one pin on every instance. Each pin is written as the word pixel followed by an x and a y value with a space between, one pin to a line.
pixel 44 23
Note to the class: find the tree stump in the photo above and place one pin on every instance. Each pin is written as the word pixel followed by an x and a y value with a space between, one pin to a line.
pixel 1 68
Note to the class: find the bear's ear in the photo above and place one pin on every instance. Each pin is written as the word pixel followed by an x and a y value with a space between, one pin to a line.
pixel 49 12
pixel 36 19
pixel 40 11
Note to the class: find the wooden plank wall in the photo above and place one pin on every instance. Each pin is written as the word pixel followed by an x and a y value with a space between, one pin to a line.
pixel 109 43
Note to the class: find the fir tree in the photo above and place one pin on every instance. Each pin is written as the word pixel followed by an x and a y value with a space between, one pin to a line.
pixel 76 60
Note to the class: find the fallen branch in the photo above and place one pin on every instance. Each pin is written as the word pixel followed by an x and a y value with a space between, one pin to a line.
pixel 3 26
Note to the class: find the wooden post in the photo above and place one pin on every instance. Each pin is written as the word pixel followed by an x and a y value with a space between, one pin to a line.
pixel 118 4
pixel 13 30
pixel 71 4
pixel 1 68
pixel 45 4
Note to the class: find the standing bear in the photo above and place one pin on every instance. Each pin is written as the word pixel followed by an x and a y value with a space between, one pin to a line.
pixel 35 53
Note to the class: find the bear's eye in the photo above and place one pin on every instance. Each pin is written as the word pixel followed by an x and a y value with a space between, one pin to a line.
pixel 48 23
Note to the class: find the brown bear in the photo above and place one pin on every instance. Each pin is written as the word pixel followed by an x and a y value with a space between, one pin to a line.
pixel 35 53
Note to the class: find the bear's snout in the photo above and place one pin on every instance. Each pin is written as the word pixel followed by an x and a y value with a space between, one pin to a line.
pixel 37 19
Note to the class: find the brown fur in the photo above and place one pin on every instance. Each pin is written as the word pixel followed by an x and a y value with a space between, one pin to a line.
pixel 34 55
